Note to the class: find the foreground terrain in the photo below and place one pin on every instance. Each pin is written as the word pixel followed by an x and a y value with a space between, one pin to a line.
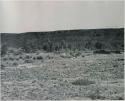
pixel 62 76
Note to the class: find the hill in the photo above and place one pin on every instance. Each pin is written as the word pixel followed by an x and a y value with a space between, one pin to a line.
pixel 91 39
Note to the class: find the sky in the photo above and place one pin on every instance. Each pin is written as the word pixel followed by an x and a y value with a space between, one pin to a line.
pixel 27 16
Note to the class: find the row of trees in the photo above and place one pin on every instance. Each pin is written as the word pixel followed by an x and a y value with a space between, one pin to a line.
pixel 51 46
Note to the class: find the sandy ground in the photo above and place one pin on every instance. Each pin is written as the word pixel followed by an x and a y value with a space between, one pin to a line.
pixel 59 77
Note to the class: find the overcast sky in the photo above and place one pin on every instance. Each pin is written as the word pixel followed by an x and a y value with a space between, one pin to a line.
pixel 48 16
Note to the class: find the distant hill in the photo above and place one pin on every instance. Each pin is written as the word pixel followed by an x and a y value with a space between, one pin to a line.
pixel 92 39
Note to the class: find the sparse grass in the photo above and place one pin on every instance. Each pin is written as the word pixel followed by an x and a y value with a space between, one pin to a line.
pixel 104 72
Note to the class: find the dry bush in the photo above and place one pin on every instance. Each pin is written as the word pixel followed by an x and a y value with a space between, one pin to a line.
pixel 102 52
pixel 39 58
pixel 2 67
pixel 4 49
pixel 15 64
pixel 83 82
pixel 116 52
pixel 28 61
pixel 11 58
pixel 75 53
pixel 98 45
pixel 95 96
pixel 27 57
pixel 65 55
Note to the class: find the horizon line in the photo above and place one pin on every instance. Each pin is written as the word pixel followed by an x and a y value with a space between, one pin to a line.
pixel 61 30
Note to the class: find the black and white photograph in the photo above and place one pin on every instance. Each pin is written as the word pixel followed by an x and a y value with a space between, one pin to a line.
pixel 62 50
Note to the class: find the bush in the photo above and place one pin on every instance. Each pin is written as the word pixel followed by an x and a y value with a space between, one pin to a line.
pixel 96 96
pixel 28 57
pixel 2 67
pixel 120 59
pixel 50 57
pixel 34 58
pixel 116 52
pixel 39 57
pixel 21 57
pixel 4 59
pixel 15 64
pixel 83 82
pixel 11 58
pixel 75 53
pixel 4 50
pixel 98 45
pixel 64 55
pixel 45 47
pixel 102 52
pixel 28 61
pixel 88 45
pixel 48 46
pixel 56 48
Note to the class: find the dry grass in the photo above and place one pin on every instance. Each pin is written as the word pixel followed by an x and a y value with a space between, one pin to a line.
pixel 51 76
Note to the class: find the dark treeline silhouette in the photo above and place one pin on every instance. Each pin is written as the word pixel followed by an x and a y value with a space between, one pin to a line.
pixel 91 39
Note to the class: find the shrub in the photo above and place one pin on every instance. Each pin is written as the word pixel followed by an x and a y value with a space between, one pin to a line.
pixel 64 55
pixel 75 53
pixel 4 50
pixel 16 53
pixel 21 57
pixel 4 59
pixel 83 82
pixel 56 48
pixel 48 46
pixel 34 58
pixel 120 59
pixel 120 98
pixel 116 51
pixel 15 64
pixel 63 44
pixel 96 96
pixel 39 57
pixel 27 57
pixel 11 58
pixel 102 52
pixel 50 57
pixel 28 61
pixel 2 67
pixel 98 45
pixel 88 45
pixel 45 47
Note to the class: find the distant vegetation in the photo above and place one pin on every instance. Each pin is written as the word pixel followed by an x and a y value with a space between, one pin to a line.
pixel 92 39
